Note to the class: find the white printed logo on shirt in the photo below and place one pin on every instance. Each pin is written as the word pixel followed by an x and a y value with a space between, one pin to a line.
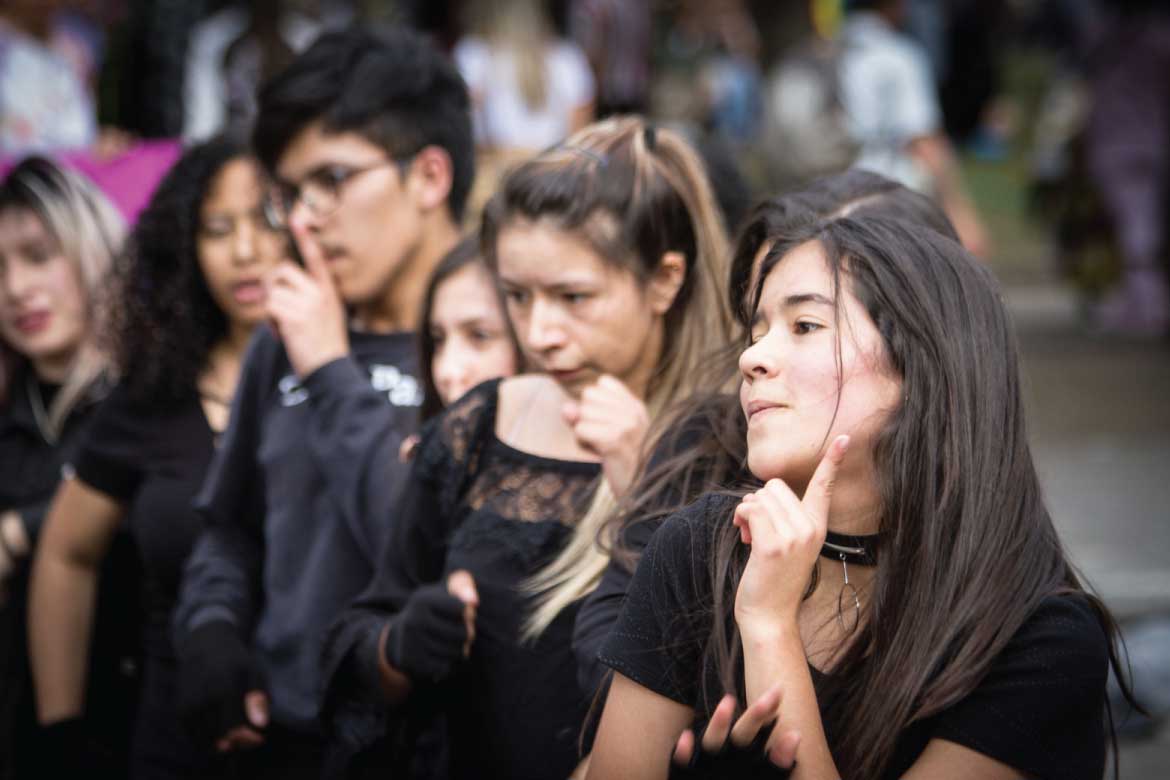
pixel 400 389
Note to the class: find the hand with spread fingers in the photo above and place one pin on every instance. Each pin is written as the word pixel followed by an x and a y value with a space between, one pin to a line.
pixel 305 308
pixel 612 422
pixel 749 748
pixel 785 534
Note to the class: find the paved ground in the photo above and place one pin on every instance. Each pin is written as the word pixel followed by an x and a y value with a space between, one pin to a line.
pixel 1100 417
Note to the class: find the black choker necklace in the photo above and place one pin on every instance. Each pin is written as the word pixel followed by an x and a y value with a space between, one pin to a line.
pixel 857 550
pixel 860 551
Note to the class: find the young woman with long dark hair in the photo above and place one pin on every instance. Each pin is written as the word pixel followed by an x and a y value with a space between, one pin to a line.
pixel 701 445
pixel 608 251
pixel 58 236
pixel 895 596
pixel 189 291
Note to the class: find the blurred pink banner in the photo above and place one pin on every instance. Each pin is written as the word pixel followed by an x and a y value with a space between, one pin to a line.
pixel 128 179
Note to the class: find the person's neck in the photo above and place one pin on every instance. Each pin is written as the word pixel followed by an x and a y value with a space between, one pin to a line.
pixel 225 358
pixel 399 309
pixel 53 369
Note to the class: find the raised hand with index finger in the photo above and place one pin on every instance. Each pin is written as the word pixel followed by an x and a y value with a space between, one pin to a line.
pixel 785 533
pixel 306 309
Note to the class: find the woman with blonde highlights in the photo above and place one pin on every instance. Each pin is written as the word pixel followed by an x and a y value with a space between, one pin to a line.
pixel 609 251
pixel 58 235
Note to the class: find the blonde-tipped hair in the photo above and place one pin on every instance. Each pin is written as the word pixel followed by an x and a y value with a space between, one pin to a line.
pixel 633 192
pixel 90 232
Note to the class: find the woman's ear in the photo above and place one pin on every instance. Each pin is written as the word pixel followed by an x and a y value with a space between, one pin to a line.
pixel 429 178
pixel 666 281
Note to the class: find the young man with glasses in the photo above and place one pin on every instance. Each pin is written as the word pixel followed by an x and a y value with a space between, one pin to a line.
pixel 367 138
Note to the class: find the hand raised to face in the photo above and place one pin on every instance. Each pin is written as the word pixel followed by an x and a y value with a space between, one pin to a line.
pixel 306 309
pixel 611 422
pixel 785 534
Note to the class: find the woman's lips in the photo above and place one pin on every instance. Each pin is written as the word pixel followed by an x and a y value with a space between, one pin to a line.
pixel 567 376
pixel 757 409
pixel 248 292
pixel 33 323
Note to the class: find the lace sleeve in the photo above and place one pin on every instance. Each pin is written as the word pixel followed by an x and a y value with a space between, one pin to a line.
pixel 449 445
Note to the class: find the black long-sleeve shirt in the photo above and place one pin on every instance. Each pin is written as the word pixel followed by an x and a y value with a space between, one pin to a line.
pixel 297 502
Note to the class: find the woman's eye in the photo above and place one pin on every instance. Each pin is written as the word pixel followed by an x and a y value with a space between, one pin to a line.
pixel 515 296
pixel 574 297
pixel 335 177
pixel 37 254
pixel 215 229
pixel 804 327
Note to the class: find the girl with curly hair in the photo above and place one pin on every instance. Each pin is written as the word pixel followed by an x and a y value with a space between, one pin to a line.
pixel 189 291
pixel 58 235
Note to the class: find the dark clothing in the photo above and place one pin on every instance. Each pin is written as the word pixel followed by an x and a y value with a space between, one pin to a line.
pixel 713 439
pixel 475 503
pixel 297 500
pixel 1040 709
pixel 152 457
pixel 31 467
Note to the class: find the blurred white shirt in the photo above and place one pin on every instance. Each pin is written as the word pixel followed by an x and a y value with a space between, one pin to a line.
pixel 889 97
pixel 502 118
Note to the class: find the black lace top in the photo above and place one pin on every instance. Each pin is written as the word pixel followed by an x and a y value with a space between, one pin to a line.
pixel 514 710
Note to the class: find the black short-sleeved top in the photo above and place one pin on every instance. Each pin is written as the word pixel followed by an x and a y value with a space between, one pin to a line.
pixel 30 469
pixel 1040 709
pixel 475 503
pixel 151 457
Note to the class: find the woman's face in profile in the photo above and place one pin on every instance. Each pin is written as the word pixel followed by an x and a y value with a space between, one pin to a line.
pixel 816 368
pixel 43 307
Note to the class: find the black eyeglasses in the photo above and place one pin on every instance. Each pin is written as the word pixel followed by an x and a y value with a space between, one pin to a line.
pixel 320 191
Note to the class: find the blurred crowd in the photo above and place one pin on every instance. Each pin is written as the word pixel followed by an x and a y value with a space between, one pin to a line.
pixel 190 326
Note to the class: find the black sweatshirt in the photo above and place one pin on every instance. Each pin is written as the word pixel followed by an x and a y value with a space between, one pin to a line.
pixel 297 501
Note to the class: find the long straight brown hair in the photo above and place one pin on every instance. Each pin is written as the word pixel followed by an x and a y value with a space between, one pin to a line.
pixel 700 444
pixel 968 547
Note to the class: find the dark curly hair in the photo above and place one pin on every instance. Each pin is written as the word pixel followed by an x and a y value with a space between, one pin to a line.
pixel 165 321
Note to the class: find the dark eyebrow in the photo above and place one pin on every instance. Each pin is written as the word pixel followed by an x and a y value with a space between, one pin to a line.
pixel 796 300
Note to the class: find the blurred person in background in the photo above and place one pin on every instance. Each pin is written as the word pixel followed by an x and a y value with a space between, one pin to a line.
pixel 529 88
pixel 46 104
pixel 617 37
pixel 1128 155
pixel 367 137
pixel 232 52
pixel 889 94
pixel 709 70
pixel 58 236
pixel 188 291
